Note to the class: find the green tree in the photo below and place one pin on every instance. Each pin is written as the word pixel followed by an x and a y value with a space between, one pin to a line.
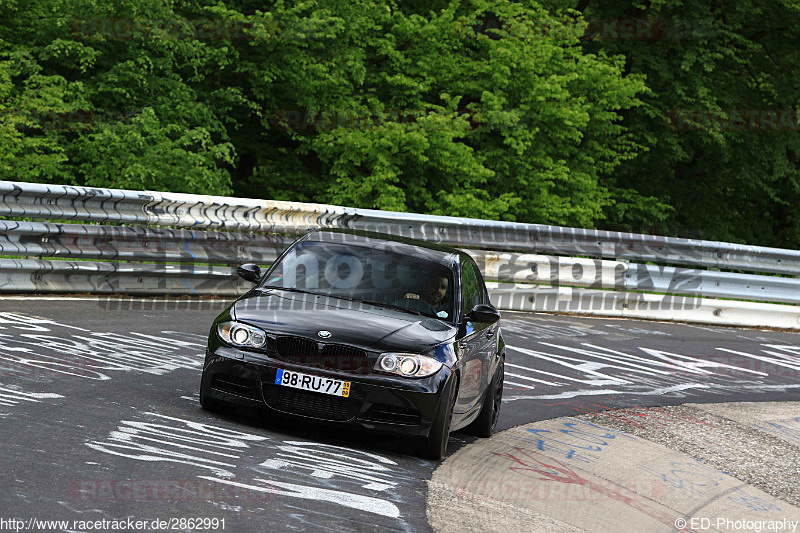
pixel 719 123
pixel 466 110
pixel 462 107
pixel 91 97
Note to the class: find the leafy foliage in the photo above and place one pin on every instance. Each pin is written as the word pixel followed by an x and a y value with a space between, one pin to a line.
pixel 720 120
pixel 478 108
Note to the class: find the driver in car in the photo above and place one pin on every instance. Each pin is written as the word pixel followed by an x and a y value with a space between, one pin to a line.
pixel 434 292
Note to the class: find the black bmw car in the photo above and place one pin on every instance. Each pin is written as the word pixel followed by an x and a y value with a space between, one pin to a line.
pixel 363 329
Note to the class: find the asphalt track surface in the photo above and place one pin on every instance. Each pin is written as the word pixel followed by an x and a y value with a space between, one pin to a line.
pixel 100 420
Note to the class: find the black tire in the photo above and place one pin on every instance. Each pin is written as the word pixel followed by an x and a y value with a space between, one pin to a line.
pixel 434 446
pixel 485 424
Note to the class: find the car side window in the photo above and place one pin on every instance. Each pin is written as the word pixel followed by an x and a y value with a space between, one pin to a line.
pixel 483 294
pixel 471 294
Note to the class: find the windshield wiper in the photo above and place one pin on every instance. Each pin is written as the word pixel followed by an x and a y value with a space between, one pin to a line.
pixel 383 304
pixel 290 289
pixel 368 302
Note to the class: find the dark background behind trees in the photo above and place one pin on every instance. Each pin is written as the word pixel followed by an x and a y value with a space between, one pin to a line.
pixel 676 118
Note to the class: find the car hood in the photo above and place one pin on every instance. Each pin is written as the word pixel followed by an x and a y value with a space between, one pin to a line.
pixel 370 327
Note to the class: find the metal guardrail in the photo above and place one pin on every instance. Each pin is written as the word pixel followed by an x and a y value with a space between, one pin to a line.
pixel 132 237
pixel 109 206
pixel 635 277
pixel 29 275
pixel 137 243
pixel 642 305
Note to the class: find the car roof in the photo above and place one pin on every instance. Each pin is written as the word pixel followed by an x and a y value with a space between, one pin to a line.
pixel 445 255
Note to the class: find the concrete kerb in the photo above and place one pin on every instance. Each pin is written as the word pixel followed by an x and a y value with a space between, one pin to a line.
pixel 695 467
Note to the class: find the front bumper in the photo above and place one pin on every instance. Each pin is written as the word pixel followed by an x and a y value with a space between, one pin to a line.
pixel 378 403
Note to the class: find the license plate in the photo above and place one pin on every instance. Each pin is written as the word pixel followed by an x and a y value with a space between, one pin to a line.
pixel 297 380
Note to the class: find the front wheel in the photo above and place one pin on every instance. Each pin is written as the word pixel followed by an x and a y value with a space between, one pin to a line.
pixel 434 446
pixel 485 424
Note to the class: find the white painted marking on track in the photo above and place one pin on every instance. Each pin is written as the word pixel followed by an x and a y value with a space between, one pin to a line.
pixel 506 382
pixel 526 378
pixel 157 442
pixel 355 501
pixel 39 350
pixel 589 392
pixel 776 387
pixel 10 397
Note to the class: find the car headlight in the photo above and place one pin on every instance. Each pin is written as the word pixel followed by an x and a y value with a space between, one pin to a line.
pixel 239 334
pixel 409 365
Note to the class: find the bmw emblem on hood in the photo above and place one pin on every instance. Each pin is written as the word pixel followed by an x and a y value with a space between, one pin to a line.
pixel 324 334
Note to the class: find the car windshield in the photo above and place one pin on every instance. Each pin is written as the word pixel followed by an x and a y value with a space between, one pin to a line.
pixel 375 274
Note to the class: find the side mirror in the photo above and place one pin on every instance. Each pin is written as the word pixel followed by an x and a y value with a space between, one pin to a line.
pixel 485 314
pixel 249 272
